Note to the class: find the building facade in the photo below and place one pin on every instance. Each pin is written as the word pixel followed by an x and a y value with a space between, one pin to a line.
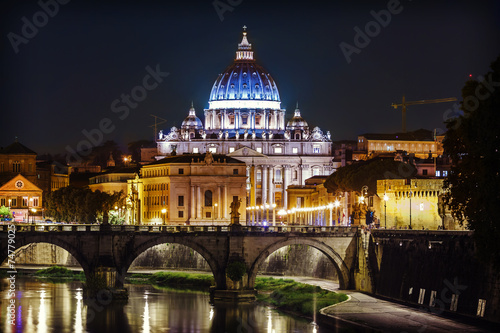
pixel 23 198
pixel 194 189
pixel 245 121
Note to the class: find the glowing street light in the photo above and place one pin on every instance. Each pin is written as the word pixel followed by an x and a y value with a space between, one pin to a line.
pixel 386 198
pixel 164 212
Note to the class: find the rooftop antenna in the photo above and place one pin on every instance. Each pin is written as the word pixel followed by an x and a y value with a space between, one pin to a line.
pixel 158 121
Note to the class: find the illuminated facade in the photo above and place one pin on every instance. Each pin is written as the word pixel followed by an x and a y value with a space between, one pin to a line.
pixel 190 188
pixel 417 199
pixel 421 143
pixel 23 198
pixel 245 121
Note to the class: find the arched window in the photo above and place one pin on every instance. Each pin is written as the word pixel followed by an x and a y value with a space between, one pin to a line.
pixel 208 198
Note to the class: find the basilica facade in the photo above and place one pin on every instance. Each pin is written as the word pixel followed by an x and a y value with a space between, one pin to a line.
pixel 245 121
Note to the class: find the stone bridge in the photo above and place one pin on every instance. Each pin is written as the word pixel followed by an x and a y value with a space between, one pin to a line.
pixel 105 252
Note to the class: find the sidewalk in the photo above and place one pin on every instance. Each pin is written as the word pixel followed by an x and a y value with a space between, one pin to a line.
pixel 377 315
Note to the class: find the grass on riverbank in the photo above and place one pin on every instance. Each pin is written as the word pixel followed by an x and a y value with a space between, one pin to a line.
pixel 288 295
pixel 200 281
pixel 58 272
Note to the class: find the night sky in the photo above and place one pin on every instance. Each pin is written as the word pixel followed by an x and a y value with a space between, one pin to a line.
pixel 64 79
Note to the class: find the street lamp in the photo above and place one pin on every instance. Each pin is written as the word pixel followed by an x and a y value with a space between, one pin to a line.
pixel 386 198
pixel 281 214
pixel 164 212
pixel 34 211
pixel 213 213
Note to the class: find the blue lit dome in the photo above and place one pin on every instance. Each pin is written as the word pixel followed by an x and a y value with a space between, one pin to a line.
pixel 192 121
pixel 244 84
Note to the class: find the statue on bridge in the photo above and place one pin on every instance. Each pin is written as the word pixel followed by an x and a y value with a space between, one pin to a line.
pixel 235 216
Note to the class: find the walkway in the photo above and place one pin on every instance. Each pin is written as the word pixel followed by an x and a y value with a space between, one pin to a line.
pixel 377 315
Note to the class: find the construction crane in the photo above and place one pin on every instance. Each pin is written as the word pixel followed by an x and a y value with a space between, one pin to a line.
pixel 404 104
pixel 155 126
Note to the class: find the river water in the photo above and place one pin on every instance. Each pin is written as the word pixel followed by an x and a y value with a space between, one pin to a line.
pixel 58 307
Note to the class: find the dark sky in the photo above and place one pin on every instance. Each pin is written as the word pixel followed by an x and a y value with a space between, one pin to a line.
pixel 64 79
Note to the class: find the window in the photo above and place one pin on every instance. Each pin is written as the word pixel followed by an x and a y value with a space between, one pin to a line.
pixel 424 172
pixel 231 149
pixel 259 149
pixel 13 202
pixel 213 150
pixel 278 150
pixel 2 202
pixel 316 172
pixel 445 173
pixel 25 201
pixel 35 202
pixel 208 215
pixel 180 213
pixel 180 200
pixel 208 198
pixel 231 120
pixel 235 171
pixel 181 171
pixel 438 173
pixel 196 150
pixel 297 136
pixel 30 167
pixel 244 120
pixel 259 176
pixel 16 166
pixel 316 149
pixel 277 176
pixel 295 150
pixel 295 174
pixel 257 120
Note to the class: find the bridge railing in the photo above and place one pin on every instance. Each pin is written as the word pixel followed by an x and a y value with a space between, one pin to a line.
pixel 177 228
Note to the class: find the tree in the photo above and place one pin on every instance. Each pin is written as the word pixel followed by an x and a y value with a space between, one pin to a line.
pixel 473 143
pixel 81 204
pixel 5 213
pixel 134 148
pixel 353 177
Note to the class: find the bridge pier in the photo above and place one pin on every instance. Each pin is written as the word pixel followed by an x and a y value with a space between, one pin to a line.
pixel 105 282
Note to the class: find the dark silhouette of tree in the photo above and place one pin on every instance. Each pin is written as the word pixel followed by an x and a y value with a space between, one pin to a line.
pixel 353 177
pixel 473 143
pixel 74 204
pixel 134 148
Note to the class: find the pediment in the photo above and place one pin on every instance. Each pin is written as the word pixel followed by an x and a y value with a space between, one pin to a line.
pixel 246 152
pixel 19 183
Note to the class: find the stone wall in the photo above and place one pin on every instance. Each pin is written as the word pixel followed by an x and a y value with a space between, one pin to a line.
pixel 438 270
pixel 44 254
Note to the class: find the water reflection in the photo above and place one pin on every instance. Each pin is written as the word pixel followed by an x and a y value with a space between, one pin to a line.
pixel 60 307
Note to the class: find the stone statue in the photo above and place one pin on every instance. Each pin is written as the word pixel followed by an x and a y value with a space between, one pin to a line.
pixel 235 215
pixel 160 135
pixel 270 135
pixel 226 135
pixel 328 135
pixel 237 135
pixel 203 134
pixel 263 135
pixel 253 135
pixel 287 135
pixel 220 134
pixel 209 158
pixel 245 135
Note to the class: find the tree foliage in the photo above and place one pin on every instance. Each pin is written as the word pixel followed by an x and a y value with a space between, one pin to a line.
pixel 472 142
pixel 73 204
pixel 5 213
pixel 353 177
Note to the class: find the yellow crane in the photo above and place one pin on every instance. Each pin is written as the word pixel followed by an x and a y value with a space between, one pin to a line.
pixel 404 103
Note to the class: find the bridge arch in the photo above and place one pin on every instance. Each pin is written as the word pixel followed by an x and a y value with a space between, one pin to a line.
pixel 141 247
pixel 331 254
pixel 23 240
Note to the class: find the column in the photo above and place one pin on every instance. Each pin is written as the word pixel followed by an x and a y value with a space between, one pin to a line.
pixel 266 120
pixel 284 196
pixel 213 119
pixel 226 203
pixel 275 119
pixel 270 177
pixel 193 203
pixel 253 185
pixel 264 184
pixel 198 203
pixel 219 202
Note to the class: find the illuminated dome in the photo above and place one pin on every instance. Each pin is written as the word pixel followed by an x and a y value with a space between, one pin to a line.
pixel 192 121
pixel 297 122
pixel 244 84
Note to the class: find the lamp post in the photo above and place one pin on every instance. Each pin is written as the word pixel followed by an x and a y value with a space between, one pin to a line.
pixel 261 215
pixel 386 198
pixel 33 210
pixel 164 212
pixel 267 213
